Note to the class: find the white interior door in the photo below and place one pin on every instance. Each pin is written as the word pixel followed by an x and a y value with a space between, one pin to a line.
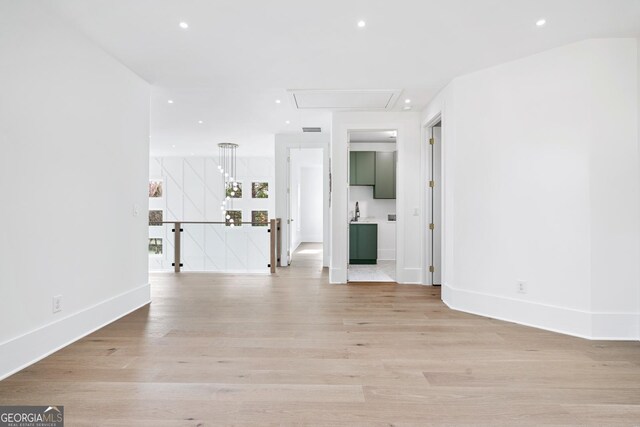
pixel 289 209
pixel 437 207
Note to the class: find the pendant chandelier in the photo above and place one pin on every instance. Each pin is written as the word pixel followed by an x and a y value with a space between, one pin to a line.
pixel 227 167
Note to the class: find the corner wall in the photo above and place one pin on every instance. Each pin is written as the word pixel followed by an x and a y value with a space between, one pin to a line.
pixel 541 185
pixel 74 127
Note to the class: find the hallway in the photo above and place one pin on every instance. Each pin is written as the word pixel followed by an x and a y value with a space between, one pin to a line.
pixel 292 349
pixel 307 257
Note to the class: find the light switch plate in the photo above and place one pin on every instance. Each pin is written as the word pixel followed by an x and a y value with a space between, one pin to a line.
pixel 57 303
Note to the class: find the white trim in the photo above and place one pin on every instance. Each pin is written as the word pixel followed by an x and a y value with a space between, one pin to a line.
pixel 283 144
pixel 608 326
pixel 346 130
pixel 337 276
pixel 411 276
pixel 564 320
pixel 426 133
pixel 22 351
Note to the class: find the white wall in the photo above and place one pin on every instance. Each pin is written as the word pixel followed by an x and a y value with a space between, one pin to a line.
pixel 541 184
pixel 74 127
pixel 410 196
pixel 193 191
pixel 306 195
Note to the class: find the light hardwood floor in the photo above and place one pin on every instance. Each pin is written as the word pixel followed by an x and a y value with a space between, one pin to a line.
pixel 294 350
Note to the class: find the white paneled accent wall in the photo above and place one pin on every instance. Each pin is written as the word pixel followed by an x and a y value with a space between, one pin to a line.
pixel 193 190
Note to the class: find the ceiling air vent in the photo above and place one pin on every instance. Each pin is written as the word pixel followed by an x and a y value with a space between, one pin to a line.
pixel 311 129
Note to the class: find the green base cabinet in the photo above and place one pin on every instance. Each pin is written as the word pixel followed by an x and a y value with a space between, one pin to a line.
pixel 363 243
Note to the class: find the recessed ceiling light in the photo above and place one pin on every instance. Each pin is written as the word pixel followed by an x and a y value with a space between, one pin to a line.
pixel 541 22
pixel 278 101
pixel 184 25
pixel 288 122
pixel 173 146
pixel 407 101
pixel 170 101
pixel 362 24
pixel 407 107
pixel 193 154
pixel 200 122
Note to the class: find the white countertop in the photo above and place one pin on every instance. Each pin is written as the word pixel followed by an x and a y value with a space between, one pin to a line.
pixel 366 221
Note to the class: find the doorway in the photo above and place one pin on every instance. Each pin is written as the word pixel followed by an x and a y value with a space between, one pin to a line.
pixel 305 205
pixel 372 206
pixel 434 205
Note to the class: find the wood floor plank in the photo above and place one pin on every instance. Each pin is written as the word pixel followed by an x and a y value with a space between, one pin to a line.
pixel 291 349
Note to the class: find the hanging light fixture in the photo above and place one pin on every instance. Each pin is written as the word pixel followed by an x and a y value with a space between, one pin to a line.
pixel 227 167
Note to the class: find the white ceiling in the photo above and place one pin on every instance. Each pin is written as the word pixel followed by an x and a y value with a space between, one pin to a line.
pixel 238 56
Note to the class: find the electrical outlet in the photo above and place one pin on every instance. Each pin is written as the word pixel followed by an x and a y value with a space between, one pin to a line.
pixel 57 303
pixel 522 287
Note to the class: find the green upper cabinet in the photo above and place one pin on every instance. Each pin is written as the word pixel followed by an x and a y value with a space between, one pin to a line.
pixel 374 168
pixel 362 168
pixel 385 175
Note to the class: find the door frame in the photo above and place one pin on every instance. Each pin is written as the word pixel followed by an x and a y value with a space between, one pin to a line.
pixel 349 130
pixel 289 222
pixel 427 132
pixel 283 145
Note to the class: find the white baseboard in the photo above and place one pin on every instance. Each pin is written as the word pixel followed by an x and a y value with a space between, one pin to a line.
pixel 564 320
pixel 410 276
pixel 615 326
pixel 20 352
pixel 337 276
pixel 311 239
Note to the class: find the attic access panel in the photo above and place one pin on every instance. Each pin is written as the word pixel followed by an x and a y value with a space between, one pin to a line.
pixel 365 100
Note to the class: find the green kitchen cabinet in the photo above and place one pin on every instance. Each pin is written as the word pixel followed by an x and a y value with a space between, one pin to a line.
pixel 362 167
pixel 385 176
pixel 363 243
